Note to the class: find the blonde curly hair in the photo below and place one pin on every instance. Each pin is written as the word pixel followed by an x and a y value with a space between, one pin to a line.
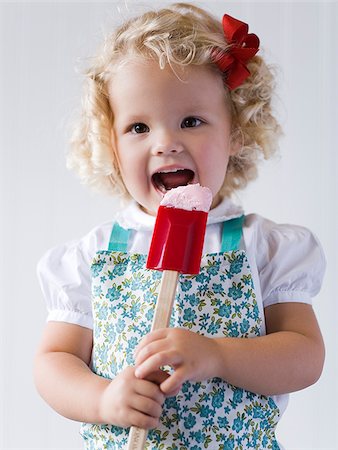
pixel 180 34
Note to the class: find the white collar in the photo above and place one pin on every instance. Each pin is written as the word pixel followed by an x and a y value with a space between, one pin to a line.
pixel 133 217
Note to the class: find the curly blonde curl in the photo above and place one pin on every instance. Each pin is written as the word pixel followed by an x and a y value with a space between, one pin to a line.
pixel 181 34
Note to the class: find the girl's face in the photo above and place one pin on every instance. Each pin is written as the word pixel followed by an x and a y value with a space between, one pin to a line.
pixel 169 131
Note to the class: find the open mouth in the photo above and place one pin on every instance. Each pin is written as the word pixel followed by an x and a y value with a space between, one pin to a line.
pixel 166 180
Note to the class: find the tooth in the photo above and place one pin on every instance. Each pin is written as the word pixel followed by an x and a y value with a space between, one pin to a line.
pixel 170 170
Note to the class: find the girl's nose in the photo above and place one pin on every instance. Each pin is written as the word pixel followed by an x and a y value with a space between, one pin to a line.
pixel 166 143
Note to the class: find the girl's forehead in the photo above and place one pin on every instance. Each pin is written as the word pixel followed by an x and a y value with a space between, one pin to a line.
pixel 146 90
pixel 146 76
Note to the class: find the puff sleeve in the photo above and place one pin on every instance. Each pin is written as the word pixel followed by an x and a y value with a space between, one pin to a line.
pixel 64 273
pixel 290 262
pixel 64 276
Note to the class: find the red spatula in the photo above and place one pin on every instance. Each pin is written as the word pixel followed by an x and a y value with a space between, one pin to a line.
pixel 176 247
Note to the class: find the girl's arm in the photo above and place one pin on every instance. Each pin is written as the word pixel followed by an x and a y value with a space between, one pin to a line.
pixel 64 379
pixel 290 357
pixel 62 375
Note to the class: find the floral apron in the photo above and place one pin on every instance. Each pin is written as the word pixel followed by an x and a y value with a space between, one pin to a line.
pixel 218 302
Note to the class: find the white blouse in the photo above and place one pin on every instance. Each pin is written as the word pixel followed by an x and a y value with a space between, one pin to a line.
pixel 287 261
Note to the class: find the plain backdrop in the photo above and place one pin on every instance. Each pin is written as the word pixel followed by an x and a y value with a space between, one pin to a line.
pixel 42 204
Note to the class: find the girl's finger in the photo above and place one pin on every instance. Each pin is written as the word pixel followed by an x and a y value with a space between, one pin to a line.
pixel 147 406
pixel 174 392
pixel 154 362
pixel 150 390
pixel 151 337
pixel 173 384
pixel 150 349
pixel 158 376
pixel 143 421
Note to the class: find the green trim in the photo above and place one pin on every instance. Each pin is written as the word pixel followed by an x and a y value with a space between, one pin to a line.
pixel 118 239
pixel 232 234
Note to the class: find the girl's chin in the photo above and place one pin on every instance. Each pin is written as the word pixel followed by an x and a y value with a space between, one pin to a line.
pixel 148 211
pixel 151 207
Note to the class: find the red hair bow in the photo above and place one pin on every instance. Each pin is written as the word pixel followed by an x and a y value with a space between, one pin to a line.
pixel 243 47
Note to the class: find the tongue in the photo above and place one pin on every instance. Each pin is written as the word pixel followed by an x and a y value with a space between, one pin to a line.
pixel 172 180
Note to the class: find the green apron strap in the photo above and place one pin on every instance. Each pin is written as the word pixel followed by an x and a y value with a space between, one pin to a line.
pixel 232 234
pixel 119 237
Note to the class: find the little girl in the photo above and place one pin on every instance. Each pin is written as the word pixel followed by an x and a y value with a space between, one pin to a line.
pixel 178 97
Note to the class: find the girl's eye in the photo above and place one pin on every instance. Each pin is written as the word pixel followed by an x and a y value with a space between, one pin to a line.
pixel 139 128
pixel 191 122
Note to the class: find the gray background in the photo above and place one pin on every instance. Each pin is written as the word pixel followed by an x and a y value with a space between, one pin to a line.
pixel 43 205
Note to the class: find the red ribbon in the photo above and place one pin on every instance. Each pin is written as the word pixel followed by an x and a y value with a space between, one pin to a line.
pixel 243 47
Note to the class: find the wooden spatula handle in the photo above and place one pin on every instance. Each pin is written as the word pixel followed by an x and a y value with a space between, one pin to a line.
pixel 164 304
pixel 137 438
pixel 166 296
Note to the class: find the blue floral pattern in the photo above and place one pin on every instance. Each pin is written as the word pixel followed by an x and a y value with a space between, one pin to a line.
pixel 219 301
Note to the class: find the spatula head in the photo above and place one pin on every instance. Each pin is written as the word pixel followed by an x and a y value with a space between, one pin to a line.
pixel 177 241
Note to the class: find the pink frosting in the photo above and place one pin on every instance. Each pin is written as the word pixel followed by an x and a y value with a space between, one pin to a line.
pixel 190 197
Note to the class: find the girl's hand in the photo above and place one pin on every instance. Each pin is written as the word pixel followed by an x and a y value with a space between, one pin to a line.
pixel 192 356
pixel 129 401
